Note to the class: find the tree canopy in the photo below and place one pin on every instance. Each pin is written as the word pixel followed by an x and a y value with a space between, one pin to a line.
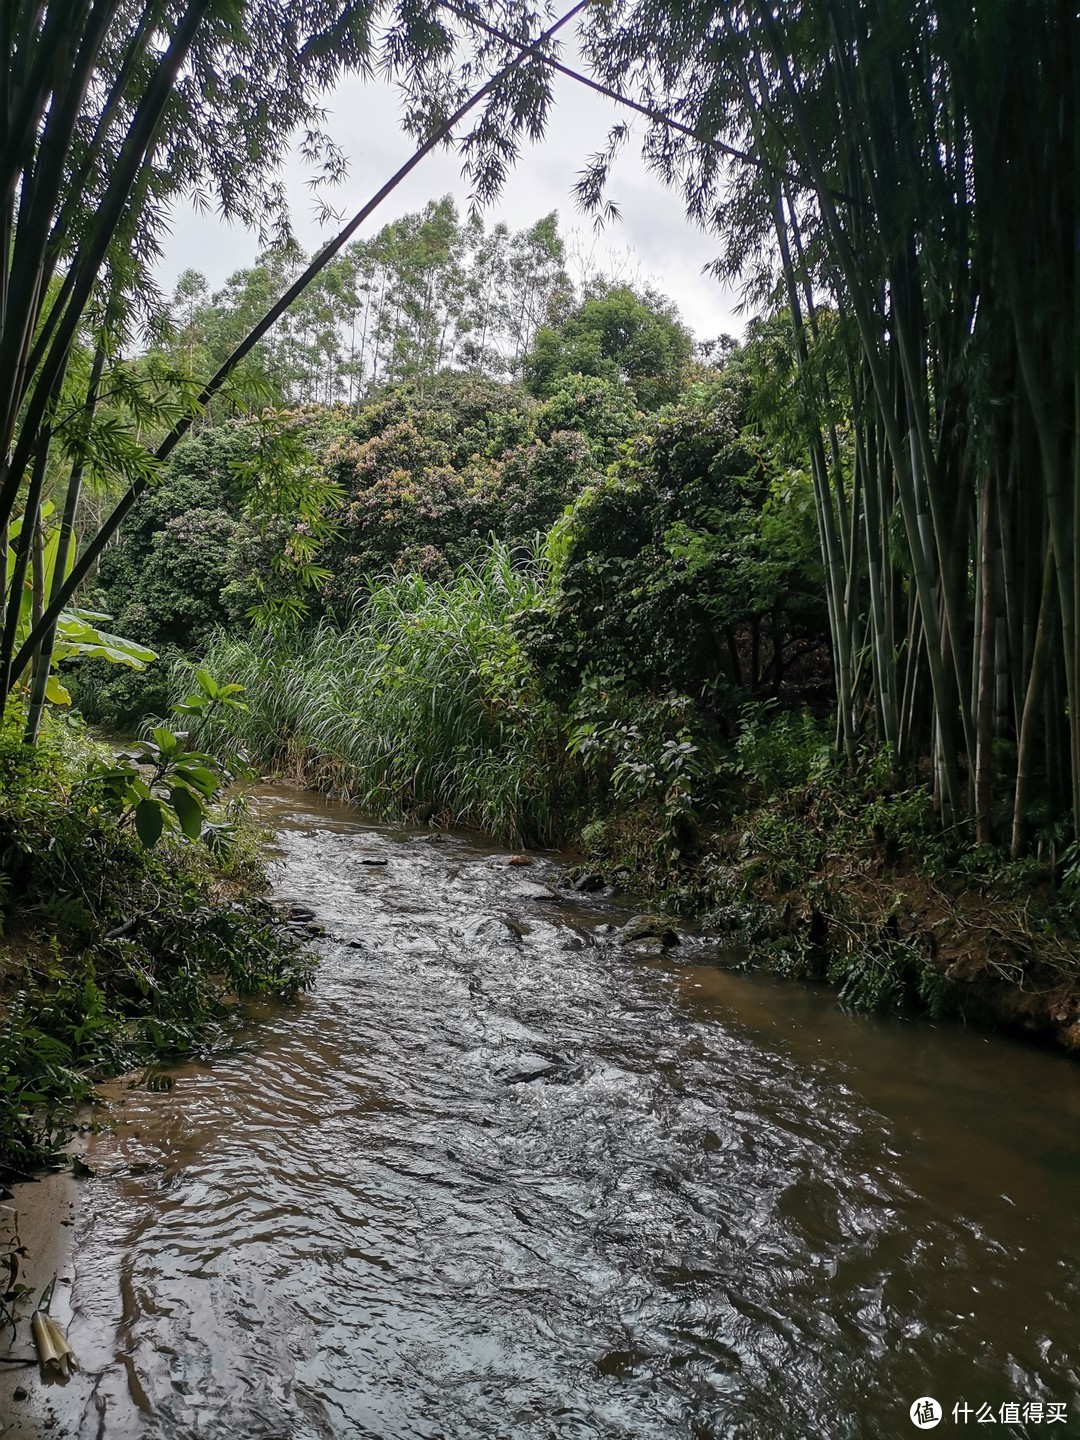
pixel 916 168
pixel 427 292
pixel 901 179
pixel 109 112
pixel 615 334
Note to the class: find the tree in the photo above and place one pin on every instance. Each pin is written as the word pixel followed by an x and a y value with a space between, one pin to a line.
pixel 425 293
pixel 617 334
pixel 916 167
pixel 106 114
pixel 690 565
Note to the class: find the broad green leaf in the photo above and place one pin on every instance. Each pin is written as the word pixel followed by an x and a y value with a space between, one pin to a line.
pixel 193 705
pixel 149 822
pixel 199 777
pixel 91 615
pixel 188 811
pixel 55 692
pixel 166 741
pixel 98 645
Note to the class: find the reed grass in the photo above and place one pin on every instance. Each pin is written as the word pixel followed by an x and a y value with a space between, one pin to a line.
pixel 425 704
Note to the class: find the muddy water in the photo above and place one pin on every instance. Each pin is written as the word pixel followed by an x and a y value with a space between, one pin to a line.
pixel 484 1183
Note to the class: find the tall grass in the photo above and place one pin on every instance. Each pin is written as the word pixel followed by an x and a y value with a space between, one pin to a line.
pixel 425 703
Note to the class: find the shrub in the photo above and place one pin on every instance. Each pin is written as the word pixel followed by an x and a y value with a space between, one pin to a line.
pixel 664 567
pixel 435 474
pixel 111 954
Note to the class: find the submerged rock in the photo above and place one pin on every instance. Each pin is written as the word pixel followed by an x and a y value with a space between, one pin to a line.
pixel 590 881
pixel 649 947
pixel 554 1070
pixel 530 890
pixel 492 928
pixel 649 927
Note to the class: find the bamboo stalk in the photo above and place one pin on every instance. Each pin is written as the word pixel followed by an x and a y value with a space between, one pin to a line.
pixel 54 1352
pixel 109 527
pixel 138 142
pixel 985 683
pixel 65 542
pixel 1025 748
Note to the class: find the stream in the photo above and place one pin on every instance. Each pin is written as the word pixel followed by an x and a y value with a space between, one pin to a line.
pixel 499 1176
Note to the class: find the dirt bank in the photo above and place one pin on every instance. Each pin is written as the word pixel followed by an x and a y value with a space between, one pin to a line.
pixel 43 1211
pixel 894 938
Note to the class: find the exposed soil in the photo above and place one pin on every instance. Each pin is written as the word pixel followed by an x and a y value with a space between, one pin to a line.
pixel 1004 965
pixel 42 1211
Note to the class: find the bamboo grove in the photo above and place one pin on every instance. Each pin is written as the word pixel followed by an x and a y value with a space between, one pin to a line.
pixel 913 201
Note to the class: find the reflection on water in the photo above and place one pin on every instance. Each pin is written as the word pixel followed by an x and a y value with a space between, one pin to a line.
pixel 504 1179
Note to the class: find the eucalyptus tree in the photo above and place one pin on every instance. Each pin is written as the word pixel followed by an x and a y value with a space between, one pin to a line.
pixel 539 284
pixel 488 274
pixel 110 111
pixel 426 292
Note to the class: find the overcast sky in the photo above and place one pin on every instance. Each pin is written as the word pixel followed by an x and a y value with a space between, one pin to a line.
pixel 363 117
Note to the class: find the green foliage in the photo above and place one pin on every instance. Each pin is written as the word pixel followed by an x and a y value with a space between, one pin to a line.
pixel 895 173
pixel 618 335
pixel 425 705
pixel 166 784
pixel 603 412
pixel 164 577
pixel 890 972
pixel 429 476
pixel 290 501
pixel 658 753
pixel 112 954
pixel 234 527
pixel 427 293
pixel 78 632
pixel 780 751
pixel 669 572
pixel 418 475
pixel 39 1083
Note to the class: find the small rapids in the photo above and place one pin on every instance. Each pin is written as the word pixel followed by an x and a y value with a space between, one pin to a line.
pixel 497 1176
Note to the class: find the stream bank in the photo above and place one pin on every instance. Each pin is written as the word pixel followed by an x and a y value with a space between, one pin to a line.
pixel 500 1175
pixel 810 886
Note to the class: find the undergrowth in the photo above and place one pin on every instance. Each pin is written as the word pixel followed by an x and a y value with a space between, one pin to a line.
pixel 431 705
pixel 111 954
pixel 424 706
pixel 848 878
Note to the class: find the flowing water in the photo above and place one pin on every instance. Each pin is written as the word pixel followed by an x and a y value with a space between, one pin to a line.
pixel 499 1179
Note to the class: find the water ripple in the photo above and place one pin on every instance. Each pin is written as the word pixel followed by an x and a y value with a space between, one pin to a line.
pixel 498 1178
